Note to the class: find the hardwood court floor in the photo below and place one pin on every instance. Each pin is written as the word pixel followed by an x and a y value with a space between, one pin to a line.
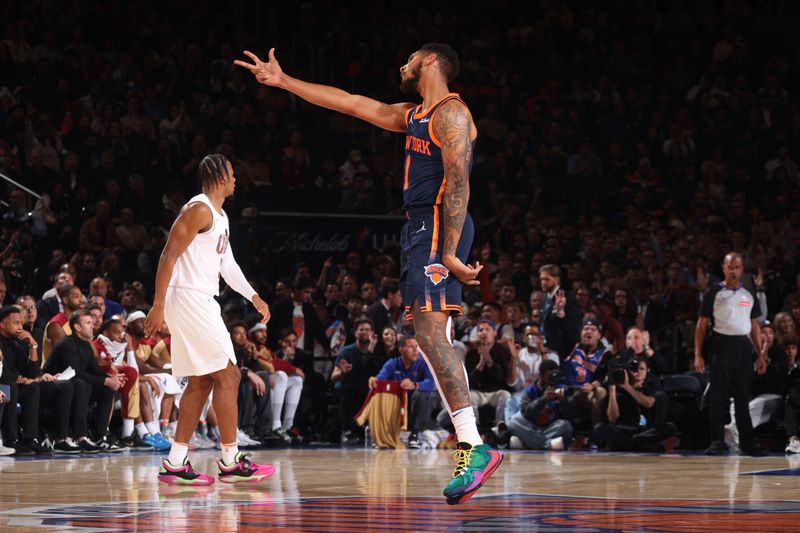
pixel 364 490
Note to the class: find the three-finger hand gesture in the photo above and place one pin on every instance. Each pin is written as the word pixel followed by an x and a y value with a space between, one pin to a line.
pixel 268 73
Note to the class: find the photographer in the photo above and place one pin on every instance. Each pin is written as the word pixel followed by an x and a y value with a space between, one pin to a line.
pixel 637 345
pixel 636 409
pixel 538 425
pixel 528 360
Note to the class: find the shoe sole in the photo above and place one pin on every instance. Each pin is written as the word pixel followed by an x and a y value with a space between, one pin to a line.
pixel 230 480
pixel 465 496
pixel 174 480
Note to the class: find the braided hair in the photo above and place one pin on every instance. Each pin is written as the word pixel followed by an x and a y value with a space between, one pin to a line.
pixel 212 170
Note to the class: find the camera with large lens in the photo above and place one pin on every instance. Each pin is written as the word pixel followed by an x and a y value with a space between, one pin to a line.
pixel 617 368
pixel 558 380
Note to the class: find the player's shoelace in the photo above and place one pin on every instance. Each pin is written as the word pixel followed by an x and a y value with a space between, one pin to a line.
pixel 242 462
pixel 462 458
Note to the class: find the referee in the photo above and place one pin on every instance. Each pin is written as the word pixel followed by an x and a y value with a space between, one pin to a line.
pixel 732 310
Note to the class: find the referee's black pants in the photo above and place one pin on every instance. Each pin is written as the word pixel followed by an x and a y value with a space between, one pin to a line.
pixel 731 375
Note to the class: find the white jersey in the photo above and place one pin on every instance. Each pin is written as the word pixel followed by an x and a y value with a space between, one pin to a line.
pixel 198 267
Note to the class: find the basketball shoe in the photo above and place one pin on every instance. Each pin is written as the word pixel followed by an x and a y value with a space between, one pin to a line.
pixel 243 470
pixel 474 465
pixel 182 475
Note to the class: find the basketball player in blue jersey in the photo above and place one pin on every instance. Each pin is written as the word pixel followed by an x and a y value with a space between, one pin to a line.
pixel 436 239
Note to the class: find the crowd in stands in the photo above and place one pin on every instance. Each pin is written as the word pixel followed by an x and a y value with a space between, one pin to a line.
pixel 623 151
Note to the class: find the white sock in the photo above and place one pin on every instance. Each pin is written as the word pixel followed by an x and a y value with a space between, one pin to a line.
pixel 141 430
pixel 178 453
pixel 153 427
pixel 277 393
pixel 229 452
pixel 127 427
pixel 466 428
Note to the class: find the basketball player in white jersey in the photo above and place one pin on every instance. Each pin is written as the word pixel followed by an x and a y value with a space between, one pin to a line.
pixel 195 256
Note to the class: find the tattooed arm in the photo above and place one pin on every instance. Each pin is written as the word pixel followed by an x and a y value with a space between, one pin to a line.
pixel 452 125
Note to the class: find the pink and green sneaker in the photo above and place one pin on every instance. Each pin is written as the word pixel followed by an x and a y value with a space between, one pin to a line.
pixel 182 475
pixel 244 470
pixel 474 466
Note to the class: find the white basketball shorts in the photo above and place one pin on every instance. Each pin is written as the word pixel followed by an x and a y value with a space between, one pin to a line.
pixel 201 343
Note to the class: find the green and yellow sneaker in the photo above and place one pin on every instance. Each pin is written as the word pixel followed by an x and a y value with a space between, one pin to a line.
pixel 474 465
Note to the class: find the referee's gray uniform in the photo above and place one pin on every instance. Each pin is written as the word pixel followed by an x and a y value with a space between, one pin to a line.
pixel 730 312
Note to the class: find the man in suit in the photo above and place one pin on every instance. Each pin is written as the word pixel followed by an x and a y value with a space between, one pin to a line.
pixel 561 316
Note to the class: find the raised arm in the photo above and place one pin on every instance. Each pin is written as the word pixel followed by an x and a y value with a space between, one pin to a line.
pixel 390 117
pixel 196 218
pixel 452 124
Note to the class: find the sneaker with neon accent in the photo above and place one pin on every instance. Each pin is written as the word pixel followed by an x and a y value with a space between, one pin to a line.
pixel 474 466
pixel 182 475
pixel 243 470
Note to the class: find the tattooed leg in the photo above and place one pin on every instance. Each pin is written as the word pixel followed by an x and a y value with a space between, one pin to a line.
pixel 448 369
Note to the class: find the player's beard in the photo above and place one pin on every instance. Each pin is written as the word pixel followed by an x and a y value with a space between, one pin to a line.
pixel 410 85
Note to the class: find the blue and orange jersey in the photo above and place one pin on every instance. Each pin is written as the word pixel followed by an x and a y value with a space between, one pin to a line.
pixel 424 179
pixel 580 366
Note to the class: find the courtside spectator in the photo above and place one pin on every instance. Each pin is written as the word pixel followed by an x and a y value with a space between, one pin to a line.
pixel 92 385
pixel 538 424
pixel 415 378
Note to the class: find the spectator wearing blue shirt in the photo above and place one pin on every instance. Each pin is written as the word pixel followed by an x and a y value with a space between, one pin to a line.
pixel 414 376
pixel 538 424
pixel 99 287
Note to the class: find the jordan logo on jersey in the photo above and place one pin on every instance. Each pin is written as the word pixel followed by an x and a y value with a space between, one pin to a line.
pixel 222 243
pixel 418 145
pixel 437 273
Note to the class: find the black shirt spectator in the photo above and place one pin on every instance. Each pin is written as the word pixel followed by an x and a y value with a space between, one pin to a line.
pixel 72 351
pixel 15 361
pixel 485 376
pixel 380 311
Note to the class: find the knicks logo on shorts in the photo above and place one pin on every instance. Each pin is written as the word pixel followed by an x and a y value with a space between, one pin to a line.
pixel 437 273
